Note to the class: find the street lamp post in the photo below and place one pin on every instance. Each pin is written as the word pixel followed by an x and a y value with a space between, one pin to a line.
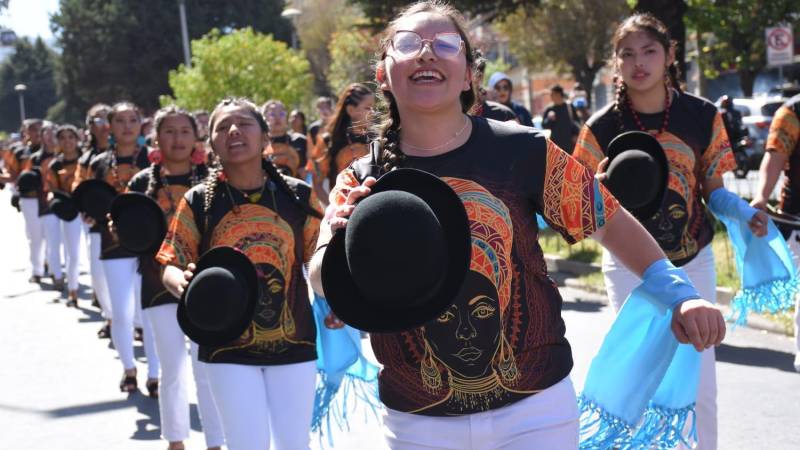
pixel 20 90
pixel 187 56
pixel 292 14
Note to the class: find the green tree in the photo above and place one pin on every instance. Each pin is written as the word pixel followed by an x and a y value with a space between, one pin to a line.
pixel 732 34
pixel 120 49
pixel 31 65
pixel 382 11
pixel 242 63
pixel 353 55
pixel 573 36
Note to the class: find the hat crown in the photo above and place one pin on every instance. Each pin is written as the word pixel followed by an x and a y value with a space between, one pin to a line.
pixel 394 239
pixel 215 299
pixel 631 174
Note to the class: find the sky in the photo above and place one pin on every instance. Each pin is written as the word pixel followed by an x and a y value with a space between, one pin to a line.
pixel 30 17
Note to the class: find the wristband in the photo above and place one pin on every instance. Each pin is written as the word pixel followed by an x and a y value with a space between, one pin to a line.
pixel 668 284
pixel 724 203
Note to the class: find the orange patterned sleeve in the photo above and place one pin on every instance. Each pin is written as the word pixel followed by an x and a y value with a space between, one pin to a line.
pixel 181 245
pixel 345 181
pixel 587 150
pixel 51 180
pixel 574 203
pixel 311 229
pixel 784 133
pixel 718 157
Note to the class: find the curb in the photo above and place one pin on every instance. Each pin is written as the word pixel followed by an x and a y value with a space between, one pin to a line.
pixel 724 294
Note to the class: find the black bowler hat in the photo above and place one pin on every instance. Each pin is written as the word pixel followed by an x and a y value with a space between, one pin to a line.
pixel 219 303
pixel 63 206
pixel 403 256
pixel 29 181
pixel 637 173
pixel 94 198
pixel 140 223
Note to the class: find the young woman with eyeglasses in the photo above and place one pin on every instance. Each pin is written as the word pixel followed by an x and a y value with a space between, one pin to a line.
pixel 492 371
pixel 344 139
pixel 286 149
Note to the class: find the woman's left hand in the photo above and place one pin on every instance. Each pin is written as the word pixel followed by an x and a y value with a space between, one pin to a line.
pixel 332 322
pixel 758 223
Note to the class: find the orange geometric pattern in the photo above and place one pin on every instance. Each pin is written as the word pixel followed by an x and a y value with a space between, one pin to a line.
pixel 492 235
pixel 283 155
pixel 587 150
pixel 181 245
pixel 784 133
pixel 718 156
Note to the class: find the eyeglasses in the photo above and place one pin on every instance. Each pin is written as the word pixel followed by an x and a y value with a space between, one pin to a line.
pixel 99 122
pixel 409 44
pixel 276 114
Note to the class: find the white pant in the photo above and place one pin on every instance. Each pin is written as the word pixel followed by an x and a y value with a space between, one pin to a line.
pixel 547 420
pixel 34 231
pixel 52 237
pixel 619 284
pixel 794 247
pixel 99 284
pixel 206 406
pixel 262 403
pixel 121 278
pixel 71 234
pixel 170 345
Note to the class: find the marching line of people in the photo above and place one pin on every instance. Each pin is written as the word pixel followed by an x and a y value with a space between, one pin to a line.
pixel 421 230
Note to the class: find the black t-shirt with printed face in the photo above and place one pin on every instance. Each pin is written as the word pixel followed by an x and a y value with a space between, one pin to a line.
pixel 168 197
pixel 100 168
pixel 503 338
pixel 697 148
pixel 278 237
pixel 40 160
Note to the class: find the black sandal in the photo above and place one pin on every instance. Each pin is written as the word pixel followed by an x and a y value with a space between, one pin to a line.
pixel 128 383
pixel 105 332
pixel 152 388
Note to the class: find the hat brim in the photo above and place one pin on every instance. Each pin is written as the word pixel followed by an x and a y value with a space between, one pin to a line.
pixel 353 308
pixel 646 142
pixel 63 206
pixel 96 212
pixel 237 262
pixel 144 208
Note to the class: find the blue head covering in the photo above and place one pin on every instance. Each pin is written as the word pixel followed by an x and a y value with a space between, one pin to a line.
pixel 497 77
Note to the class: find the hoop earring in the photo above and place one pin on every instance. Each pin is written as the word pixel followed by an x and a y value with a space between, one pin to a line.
pixel 431 377
pixel 507 365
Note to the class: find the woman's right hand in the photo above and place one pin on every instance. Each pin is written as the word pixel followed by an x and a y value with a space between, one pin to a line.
pixel 187 277
pixel 88 220
pixel 339 215
pixel 600 174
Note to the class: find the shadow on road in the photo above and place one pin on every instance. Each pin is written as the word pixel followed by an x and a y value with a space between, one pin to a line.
pixel 579 306
pixel 753 356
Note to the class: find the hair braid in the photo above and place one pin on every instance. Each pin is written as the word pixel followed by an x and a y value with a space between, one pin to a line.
pixel 393 155
pixel 211 182
pixel 152 184
pixel 620 103
pixel 274 174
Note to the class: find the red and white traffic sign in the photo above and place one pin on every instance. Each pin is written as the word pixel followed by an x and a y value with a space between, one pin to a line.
pixel 780 45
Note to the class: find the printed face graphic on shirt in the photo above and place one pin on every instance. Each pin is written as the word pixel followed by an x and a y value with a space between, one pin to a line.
pixel 668 225
pixel 465 337
pixel 272 296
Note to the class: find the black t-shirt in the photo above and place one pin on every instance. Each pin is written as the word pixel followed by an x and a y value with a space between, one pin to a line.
pixel 496 111
pixel 167 196
pixel 563 128
pixel 279 238
pixel 313 130
pixel 288 152
pixel 697 148
pixel 503 338
pixel 100 168
pixel 40 160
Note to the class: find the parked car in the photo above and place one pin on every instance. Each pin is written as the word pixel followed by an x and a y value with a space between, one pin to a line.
pixel 757 116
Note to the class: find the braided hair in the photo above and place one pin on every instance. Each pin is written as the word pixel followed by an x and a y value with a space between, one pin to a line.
pixel 656 30
pixel 212 181
pixel 389 128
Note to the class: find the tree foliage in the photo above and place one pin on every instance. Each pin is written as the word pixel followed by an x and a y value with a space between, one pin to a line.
pixel 353 55
pixel 573 36
pixel 242 63
pixel 119 49
pixel 732 34
pixel 32 64
pixel 382 11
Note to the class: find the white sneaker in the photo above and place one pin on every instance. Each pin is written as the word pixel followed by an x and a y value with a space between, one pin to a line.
pixel 797 362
